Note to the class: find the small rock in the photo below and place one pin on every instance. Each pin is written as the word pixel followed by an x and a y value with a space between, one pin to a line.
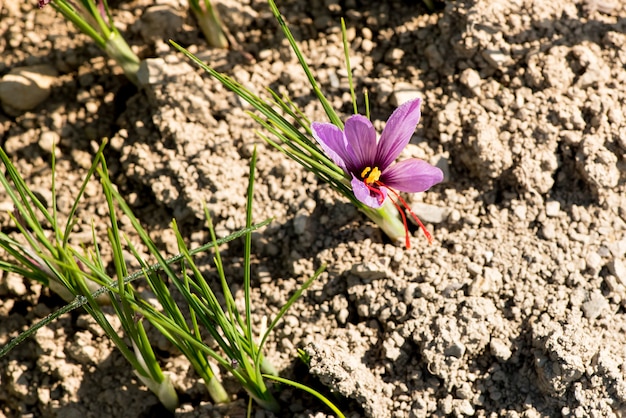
pixel 403 92
pixel 435 60
pixel 520 211
pixel 344 370
pixel 392 349
pixel 595 306
pixel 603 251
pixel 430 213
pixel 443 164
pixel 80 157
pixel 92 107
pixel 385 89
pixel 464 408
pixel 455 216
pixel 89 323
pixel 594 263
pixel 24 88
pixel 571 137
pixel 474 269
pixel 464 391
pixel 43 395
pixel 334 80
pixel 160 22
pixel 618 248
pixel 500 350
pixel 488 156
pixel 563 355
pixel 151 71
pixel 489 281
pixel 470 79
pixel 496 58
pixel 493 277
pixel 618 269
pixel 15 285
pixel 18 380
pixel 552 208
pixel 614 286
pixel 548 231
pixel 394 56
pixel 342 316
pixel 367 45
pixel 300 223
pixel 371 270
pixel 597 164
pixel 49 139
pixel 81 349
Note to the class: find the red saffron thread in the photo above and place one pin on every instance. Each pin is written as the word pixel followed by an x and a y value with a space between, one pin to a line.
pixel 377 191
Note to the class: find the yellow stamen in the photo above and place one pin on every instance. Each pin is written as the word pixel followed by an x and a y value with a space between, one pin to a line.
pixel 370 175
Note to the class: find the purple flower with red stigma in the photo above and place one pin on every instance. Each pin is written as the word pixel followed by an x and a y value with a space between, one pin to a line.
pixel 371 162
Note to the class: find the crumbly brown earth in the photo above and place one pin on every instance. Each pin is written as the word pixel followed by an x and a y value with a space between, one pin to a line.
pixel 518 309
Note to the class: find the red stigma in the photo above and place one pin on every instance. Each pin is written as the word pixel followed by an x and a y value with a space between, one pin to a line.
pixel 379 195
pixel 406 206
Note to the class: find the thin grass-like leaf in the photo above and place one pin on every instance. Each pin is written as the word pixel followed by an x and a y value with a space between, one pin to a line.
pixel 307 390
pixel 346 51
pixel 330 112
pixel 248 247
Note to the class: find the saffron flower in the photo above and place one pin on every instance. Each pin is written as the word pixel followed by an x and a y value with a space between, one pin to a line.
pixel 370 163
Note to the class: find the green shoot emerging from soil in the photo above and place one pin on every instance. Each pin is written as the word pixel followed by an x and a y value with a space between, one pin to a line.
pixel 93 18
pixel 53 261
pixel 210 23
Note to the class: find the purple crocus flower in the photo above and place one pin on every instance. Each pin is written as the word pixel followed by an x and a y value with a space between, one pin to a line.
pixel 43 3
pixel 370 162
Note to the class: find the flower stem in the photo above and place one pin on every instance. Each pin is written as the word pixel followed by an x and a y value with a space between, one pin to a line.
pixel 117 48
pixel 386 217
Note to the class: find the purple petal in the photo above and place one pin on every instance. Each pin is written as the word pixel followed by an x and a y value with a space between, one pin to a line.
pixel 333 142
pixel 361 137
pixel 411 176
pixel 397 133
pixel 365 195
pixel 43 3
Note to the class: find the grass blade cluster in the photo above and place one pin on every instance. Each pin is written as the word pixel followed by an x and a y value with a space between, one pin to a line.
pixel 20 267
pixel 51 260
pixel 205 315
pixel 94 19
pixel 240 352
